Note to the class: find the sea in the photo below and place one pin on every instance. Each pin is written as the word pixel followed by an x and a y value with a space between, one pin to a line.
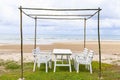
pixel 53 38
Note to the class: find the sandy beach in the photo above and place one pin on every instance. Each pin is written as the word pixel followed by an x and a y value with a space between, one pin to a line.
pixel 110 50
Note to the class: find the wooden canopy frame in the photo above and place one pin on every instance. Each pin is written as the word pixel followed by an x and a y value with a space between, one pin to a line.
pixel 84 17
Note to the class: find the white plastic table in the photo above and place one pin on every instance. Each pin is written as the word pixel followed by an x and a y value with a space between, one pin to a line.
pixel 62 52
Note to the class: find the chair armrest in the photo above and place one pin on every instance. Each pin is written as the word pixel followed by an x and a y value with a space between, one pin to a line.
pixel 79 58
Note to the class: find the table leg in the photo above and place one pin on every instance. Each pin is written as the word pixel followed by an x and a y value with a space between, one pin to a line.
pixel 62 58
pixel 55 63
pixel 69 63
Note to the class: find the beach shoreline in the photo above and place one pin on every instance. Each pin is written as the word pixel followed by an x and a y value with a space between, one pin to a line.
pixel 107 47
pixel 110 50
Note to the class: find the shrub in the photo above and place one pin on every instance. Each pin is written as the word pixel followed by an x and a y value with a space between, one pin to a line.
pixel 12 65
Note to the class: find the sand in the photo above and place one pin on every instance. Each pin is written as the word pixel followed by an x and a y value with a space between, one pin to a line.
pixel 110 50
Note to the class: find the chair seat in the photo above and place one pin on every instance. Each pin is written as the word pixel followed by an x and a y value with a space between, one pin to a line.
pixel 43 60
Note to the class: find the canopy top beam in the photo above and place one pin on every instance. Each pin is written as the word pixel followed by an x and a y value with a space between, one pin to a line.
pixel 33 13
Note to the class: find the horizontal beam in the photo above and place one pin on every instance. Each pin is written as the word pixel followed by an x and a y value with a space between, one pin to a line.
pixel 94 13
pixel 59 9
pixel 67 18
pixel 56 15
pixel 28 15
pixel 62 18
pixel 39 16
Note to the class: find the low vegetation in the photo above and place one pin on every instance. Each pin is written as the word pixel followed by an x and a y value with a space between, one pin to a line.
pixel 12 72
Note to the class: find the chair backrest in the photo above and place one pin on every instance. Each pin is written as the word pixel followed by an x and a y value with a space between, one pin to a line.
pixel 36 51
pixel 85 52
pixel 90 56
pixel 85 49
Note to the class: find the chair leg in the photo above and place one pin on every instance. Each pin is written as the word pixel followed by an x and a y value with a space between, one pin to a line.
pixel 38 65
pixel 77 67
pixel 50 64
pixel 90 68
pixel 62 58
pixel 34 66
pixel 46 67
pixel 74 64
pixel 87 66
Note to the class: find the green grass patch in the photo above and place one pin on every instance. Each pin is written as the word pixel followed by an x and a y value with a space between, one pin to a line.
pixel 109 72
pixel 9 64
pixel 1 62
pixel 12 65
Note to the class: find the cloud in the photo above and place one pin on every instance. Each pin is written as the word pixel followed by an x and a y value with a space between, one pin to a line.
pixel 109 15
pixel 35 3
pixel 9 29
pixel 110 9
pixel 75 3
pixel 110 23
pixel 9 12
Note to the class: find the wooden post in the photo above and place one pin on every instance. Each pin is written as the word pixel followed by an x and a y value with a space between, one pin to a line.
pixel 21 37
pixel 99 44
pixel 35 32
pixel 84 32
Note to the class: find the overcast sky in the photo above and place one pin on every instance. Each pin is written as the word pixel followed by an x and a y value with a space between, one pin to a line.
pixel 109 23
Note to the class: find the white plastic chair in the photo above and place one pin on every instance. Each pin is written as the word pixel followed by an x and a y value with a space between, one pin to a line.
pixel 81 55
pixel 86 62
pixel 41 58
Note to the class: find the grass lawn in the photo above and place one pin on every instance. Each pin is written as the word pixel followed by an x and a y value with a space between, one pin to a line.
pixel 10 70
